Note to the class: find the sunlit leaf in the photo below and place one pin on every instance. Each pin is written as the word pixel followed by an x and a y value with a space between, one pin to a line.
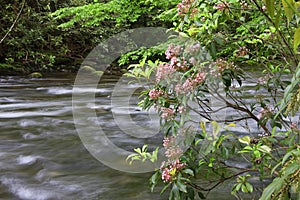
pixel 231 125
pixel 245 140
pixel 296 39
pixel 216 128
pixel 172 172
pixel 289 7
pixel 264 149
pixel 270 7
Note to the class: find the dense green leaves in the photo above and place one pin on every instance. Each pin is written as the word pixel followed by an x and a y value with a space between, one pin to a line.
pixel 122 13
pixel 39 42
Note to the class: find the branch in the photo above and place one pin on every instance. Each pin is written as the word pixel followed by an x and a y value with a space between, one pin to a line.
pixel 14 23
pixel 243 109
pixel 234 120
pixel 220 181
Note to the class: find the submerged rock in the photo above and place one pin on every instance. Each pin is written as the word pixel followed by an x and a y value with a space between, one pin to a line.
pixel 87 69
pixel 98 73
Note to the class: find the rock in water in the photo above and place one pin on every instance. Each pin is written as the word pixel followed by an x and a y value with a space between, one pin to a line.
pixel 35 75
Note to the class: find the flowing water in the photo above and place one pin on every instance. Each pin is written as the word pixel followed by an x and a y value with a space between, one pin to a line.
pixel 42 156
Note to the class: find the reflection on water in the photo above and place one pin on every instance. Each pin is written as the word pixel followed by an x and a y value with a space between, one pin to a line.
pixel 41 155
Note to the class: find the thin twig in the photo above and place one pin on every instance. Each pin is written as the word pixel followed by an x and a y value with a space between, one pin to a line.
pixel 280 33
pixel 14 23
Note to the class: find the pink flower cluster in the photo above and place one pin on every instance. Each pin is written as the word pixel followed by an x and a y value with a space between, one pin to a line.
pixel 190 83
pixel 168 141
pixel 294 126
pixel 164 70
pixel 194 48
pixel 172 51
pixel 169 172
pixel 193 61
pixel 185 7
pixel 220 65
pixel 264 112
pixel 167 113
pixel 181 109
pixel 222 6
pixel 155 94
pixel 199 78
pixel 173 151
pixel 263 80
pixel 179 64
pixel 242 51
pixel 166 175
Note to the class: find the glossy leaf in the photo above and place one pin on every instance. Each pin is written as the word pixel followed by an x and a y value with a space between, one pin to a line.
pixel 296 39
pixel 181 186
pixel 289 7
pixel 264 149
pixel 245 140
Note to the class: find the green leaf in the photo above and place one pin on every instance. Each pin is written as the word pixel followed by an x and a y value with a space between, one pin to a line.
pixel 278 18
pixel 275 167
pixel 246 149
pixel 175 191
pixel 296 39
pixel 216 128
pixel 270 7
pixel 154 155
pixel 164 188
pixel 264 149
pixel 153 180
pixel 257 154
pixel 181 186
pixel 201 195
pixel 249 187
pixel 292 168
pixel 138 150
pixel 144 148
pixel 188 171
pixel 244 188
pixel 273 187
pixel 297 7
pixel 154 177
pixel 289 7
pixel 285 157
pixel 190 193
pixel 237 187
pixel 245 140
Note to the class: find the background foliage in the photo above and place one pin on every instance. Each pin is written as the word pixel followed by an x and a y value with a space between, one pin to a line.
pixel 57 35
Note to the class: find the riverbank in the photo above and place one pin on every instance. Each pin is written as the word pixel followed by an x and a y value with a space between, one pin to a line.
pixel 10 70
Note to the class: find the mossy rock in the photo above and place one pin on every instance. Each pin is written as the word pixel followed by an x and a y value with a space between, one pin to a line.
pixel 35 75
pixel 98 73
pixel 87 69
